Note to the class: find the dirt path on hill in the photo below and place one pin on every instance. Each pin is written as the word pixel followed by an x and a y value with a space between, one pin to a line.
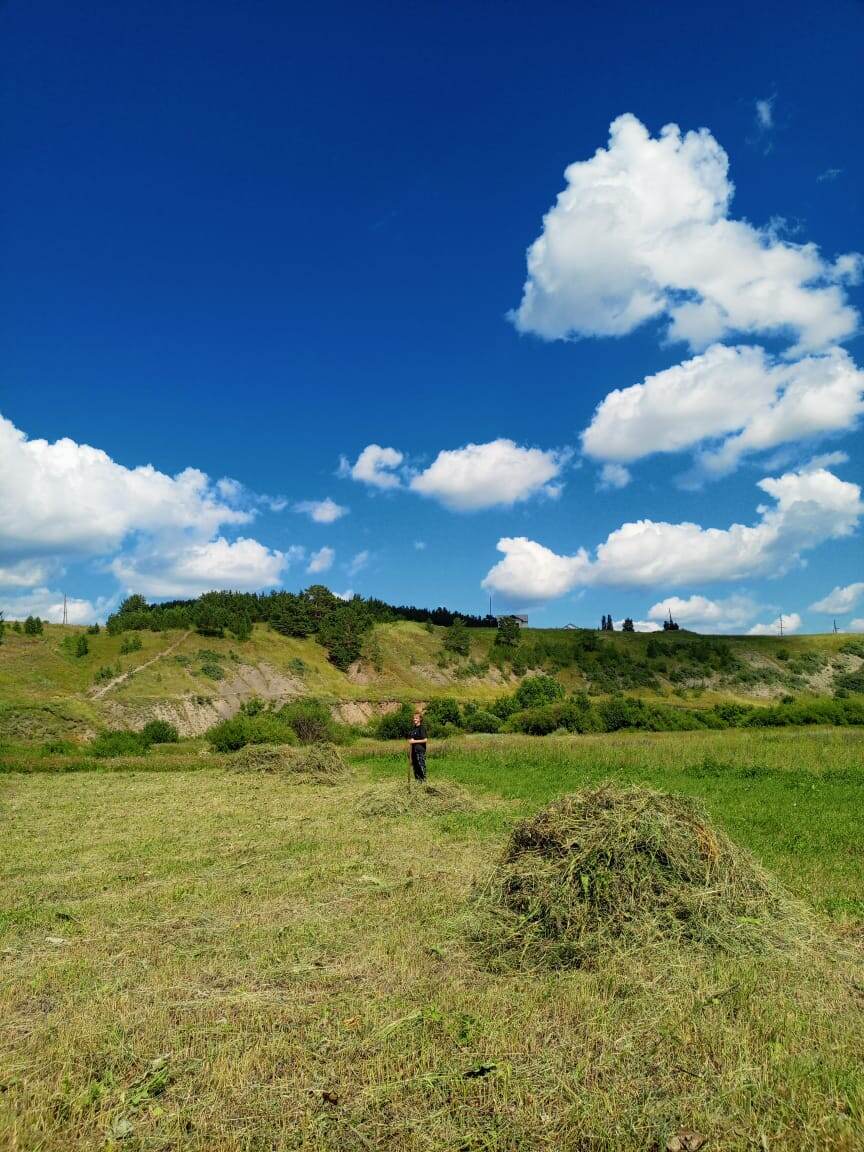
pixel 98 693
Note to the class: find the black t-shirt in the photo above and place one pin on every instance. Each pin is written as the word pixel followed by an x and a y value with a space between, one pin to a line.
pixel 418 731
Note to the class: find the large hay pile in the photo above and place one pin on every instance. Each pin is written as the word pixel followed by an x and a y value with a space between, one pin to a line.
pixel 322 763
pixel 397 798
pixel 627 867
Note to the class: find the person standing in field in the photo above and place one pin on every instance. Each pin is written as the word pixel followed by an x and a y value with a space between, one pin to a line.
pixel 417 746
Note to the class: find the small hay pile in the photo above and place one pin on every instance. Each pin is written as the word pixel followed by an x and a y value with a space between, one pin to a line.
pixel 627 867
pixel 397 798
pixel 322 763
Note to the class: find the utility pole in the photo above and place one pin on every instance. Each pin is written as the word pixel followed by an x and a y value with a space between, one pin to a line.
pixel 781 625
pixel 65 614
pixel 835 625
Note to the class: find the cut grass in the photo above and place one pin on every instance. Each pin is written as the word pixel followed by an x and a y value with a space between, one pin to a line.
pixel 203 960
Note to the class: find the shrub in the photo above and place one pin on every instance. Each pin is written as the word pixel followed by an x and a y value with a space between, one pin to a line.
pixel 118 743
pixel 456 638
pixel 131 643
pixel 442 714
pixel 93 630
pixel 536 690
pixel 33 626
pixel 396 725
pixel 159 732
pixel 58 747
pixel 480 721
pixel 214 671
pixel 105 673
pixel 240 730
pixel 851 681
pixel 310 720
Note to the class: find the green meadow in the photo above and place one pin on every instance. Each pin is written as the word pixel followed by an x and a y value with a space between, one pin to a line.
pixel 201 958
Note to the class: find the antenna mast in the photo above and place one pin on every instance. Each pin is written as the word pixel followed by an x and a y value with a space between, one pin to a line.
pixel 65 614
pixel 780 618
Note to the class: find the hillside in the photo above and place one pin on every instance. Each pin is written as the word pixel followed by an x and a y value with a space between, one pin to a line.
pixel 192 680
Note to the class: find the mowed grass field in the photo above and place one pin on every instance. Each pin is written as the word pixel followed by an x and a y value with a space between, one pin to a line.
pixel 199 959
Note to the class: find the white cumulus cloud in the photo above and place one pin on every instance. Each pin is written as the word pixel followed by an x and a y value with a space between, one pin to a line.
pixel 791 623
pixel 321 561
pixel 856 625
pixel 809 507
pixel 642 231
pixel 843 598
pixel 375 466
pixel 189 569
pixel 69 498
pixel 160 535
pixel 728 402
pixel 499 473
pixel 325 511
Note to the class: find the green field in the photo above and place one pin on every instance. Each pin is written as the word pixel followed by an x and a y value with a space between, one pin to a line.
pixel 194 958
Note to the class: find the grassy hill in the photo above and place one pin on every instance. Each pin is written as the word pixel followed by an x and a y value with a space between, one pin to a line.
pixel 45 689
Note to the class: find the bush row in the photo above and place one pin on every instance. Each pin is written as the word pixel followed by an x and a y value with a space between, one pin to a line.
pixel 300 722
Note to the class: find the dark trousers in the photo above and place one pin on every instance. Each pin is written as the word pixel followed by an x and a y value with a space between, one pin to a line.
pixel 418 761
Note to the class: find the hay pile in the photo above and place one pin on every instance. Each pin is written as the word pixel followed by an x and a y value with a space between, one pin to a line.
pixel 398 798
pixel 322 763
pixel 627 867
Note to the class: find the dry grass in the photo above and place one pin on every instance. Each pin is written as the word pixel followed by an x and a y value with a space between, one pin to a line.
pixel 630 867
pixel 320 762
pixel 398 798
pixel 188 962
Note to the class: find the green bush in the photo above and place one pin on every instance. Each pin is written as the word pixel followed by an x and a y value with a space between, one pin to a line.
pixel 537 690
pixel 58 747
pixel 131 643
pixel 396 725
pixel 441 715
pixel 159 732
pixel 214 671
pixel 118 743
pixel 851 681
pixel 240 730
pixel 456 638
pixel 480 721
pixel 105 673
pixel 310 720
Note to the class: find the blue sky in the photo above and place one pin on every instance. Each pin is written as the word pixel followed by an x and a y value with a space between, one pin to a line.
pixel 248 241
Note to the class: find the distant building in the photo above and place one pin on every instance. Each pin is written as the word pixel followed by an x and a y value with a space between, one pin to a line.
pixel 522 621
pixel 571 627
